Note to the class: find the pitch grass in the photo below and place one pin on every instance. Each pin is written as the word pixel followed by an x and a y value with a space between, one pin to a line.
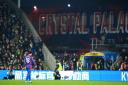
pixel 60 82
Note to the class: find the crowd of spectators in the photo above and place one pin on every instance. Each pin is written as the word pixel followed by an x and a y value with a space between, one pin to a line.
pixel 71 61
pixel 123 64
pixel 15 40
pixel 67 59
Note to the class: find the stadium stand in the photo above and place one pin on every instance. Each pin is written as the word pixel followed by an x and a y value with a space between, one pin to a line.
pixel 15 40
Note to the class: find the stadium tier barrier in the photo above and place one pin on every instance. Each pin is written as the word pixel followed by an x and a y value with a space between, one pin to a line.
pixel 70 75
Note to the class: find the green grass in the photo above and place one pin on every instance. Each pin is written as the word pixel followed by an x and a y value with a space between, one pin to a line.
pixel 61 82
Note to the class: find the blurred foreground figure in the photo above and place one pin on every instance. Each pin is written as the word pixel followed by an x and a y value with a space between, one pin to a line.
pixel 57 75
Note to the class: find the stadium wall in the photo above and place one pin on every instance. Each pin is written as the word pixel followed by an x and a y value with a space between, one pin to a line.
pixel 71 75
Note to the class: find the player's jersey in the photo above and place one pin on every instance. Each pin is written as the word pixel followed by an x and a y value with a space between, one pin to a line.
pixel 29 61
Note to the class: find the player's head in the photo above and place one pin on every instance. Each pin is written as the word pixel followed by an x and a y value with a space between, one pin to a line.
pixel 30 53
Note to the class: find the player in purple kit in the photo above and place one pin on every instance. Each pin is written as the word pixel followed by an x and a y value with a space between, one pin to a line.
pixel 29 62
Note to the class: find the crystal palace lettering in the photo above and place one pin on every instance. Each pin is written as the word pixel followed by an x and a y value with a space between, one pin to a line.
pixel 84 23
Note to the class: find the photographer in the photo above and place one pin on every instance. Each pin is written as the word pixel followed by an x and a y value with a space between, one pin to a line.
pixel 11 75
pixel 57 75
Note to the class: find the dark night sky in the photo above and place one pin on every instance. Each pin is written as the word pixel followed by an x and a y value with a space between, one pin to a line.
pixel 75 4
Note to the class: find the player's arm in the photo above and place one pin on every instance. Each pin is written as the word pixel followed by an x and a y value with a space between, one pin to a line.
pixel 34 63
pixel 24 64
